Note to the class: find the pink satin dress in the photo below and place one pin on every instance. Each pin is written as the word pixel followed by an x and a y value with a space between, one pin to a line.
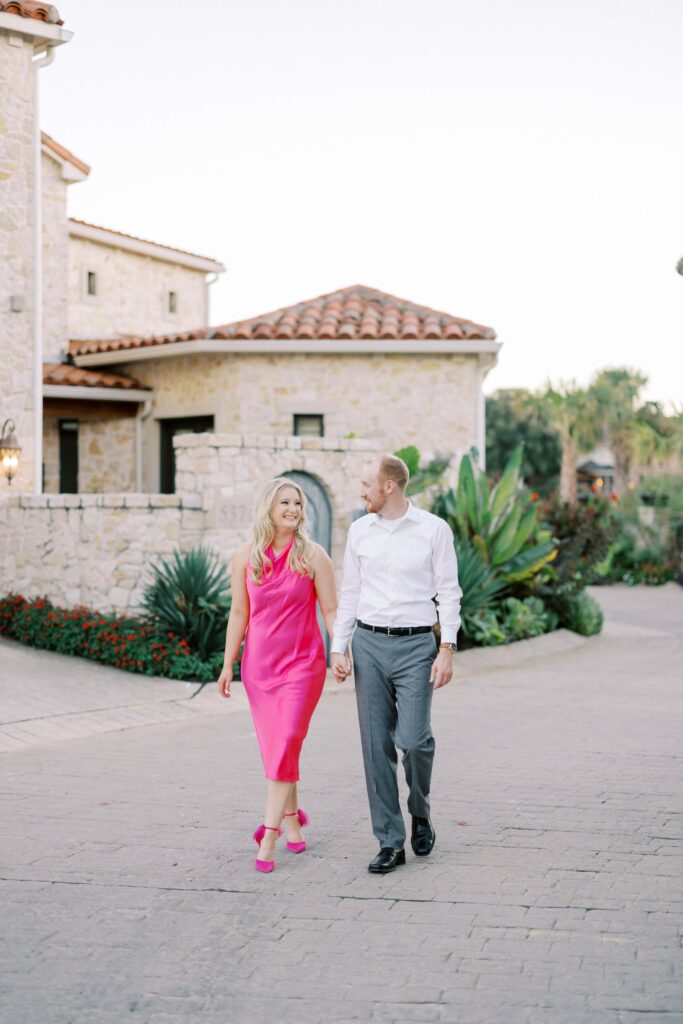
pixel 283 665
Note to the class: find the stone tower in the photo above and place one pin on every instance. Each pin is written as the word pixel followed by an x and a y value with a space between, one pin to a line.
pixel 29 32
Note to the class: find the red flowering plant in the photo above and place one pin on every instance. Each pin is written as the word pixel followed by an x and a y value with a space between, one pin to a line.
pixel 125 642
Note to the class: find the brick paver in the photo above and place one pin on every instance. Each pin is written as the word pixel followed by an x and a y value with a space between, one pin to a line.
pixel 553 894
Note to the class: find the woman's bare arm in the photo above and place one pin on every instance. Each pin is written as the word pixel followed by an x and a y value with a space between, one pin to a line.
pixel 238 618
pixel 325 587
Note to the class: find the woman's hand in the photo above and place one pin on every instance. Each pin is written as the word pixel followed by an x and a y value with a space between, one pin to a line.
pixel 225 681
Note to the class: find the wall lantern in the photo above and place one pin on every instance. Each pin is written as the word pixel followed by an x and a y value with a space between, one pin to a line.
pixel 9 450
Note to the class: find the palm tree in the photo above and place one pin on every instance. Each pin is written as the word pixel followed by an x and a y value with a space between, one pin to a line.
pixel 568 410
pixel 613 395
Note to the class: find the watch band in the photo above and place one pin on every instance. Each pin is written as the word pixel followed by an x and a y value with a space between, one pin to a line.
pixel 451 647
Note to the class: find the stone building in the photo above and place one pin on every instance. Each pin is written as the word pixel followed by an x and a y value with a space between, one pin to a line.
pixel 110 332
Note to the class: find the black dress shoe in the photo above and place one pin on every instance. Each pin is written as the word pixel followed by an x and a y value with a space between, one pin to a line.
pixel 387 860
pixel 423 837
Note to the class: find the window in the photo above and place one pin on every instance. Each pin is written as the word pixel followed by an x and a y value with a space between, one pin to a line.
pixel 92 282
pixel 306 425
pixel 68 456
pixel 172 302
pixel 169 429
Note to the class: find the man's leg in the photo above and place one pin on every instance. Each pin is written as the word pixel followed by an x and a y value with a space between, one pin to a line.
pixel 376 701
pixel 411 668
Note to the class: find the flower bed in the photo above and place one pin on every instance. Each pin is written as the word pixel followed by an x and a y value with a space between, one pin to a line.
pixel 134 644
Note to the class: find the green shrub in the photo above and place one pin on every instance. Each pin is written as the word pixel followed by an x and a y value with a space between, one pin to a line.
pixel 190 595
pixel 134 644
pixel 582 614
pixel 583 533
pixel 480 585
pixel 527 618
pixel 486 630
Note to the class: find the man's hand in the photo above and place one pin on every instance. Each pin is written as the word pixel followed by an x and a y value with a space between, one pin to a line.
pixel 442 669
pixel 341 666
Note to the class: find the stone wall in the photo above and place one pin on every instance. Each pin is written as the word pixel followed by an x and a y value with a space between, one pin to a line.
pixel 92 549
pixel 106 454
pixel 96 549
pixel 55 257
pixel 16 247
pixel 229 470
pixel 132 293
pixel 432 401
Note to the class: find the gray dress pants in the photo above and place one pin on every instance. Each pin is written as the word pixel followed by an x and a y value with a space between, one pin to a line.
pixel 394 697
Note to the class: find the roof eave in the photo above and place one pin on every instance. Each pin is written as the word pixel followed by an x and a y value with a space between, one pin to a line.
pixel 97 394
pixel 115 240
pixel 43 33
pixel 361 346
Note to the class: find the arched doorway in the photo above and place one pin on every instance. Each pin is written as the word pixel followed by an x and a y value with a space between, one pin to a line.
pixel 319 515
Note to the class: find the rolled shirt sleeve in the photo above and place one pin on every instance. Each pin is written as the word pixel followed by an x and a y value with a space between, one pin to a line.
pixel 345 622
pixel 448 592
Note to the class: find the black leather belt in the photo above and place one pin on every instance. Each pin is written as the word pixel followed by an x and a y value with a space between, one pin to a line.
pixel 394 630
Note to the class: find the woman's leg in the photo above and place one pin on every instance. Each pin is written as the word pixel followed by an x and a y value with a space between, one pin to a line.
pixel 277 796
pixel 292 825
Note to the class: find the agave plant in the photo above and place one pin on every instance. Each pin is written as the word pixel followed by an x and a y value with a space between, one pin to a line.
pixel 190 596
pixel 502 523
pixel 481 584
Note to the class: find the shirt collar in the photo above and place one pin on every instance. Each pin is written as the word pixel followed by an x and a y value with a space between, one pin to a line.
pixel 412 514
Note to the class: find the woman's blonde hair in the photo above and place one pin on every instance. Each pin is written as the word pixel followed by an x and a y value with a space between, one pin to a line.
pixel 301 551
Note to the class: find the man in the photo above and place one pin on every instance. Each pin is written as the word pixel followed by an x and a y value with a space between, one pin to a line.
pixel 399 559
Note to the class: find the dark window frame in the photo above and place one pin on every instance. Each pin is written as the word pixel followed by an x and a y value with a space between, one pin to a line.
pixel 168 428
pixel 91 283
pixel 300 416
pixel 172 302
pixel 68 456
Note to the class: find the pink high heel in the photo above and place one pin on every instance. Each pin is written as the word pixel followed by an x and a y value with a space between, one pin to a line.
pixel 264 865
pixel 303 820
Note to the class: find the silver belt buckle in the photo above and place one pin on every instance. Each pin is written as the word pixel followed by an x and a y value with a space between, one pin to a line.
pixel 393 631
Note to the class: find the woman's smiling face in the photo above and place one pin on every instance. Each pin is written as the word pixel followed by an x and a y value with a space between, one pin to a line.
pixel 287 511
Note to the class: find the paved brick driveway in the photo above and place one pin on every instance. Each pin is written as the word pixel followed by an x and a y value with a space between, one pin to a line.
pixel 554 893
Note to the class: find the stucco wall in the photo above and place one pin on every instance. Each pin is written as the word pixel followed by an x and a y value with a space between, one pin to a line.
pixel 16 248
pixel 55 256
pixel 392 400
pixel 132 293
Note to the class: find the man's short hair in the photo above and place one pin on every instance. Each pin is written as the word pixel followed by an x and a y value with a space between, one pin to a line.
pixel 393 468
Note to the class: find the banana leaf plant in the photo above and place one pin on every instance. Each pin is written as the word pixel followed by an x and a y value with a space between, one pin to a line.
pixel 500 522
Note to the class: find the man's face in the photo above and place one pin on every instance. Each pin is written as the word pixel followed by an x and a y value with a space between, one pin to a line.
pixel 373 491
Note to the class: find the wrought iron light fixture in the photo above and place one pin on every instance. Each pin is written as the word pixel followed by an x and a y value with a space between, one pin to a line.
pixel 9 450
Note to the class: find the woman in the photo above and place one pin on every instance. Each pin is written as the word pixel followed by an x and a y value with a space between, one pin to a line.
pixel 276 580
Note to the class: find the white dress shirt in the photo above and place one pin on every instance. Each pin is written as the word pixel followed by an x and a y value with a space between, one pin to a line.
pixel 393 569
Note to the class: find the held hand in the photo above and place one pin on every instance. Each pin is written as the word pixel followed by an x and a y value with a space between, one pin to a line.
pixel 341 666
pixel 442 669
pixel 225 682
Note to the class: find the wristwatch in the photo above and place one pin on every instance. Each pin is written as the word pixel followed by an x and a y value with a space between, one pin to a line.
pixel 451 647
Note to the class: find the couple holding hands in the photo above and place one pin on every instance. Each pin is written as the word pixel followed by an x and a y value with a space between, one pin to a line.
pixel 399 567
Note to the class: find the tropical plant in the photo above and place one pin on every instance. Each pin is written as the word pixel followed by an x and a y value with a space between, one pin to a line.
pixel 509 421
pixel 422 477
pixel 613 395
pixel 190 595
pixel 526 618
pixel 501 523
pixel 569 410
pixel 481 584
pixel 582 614
pixel 583 533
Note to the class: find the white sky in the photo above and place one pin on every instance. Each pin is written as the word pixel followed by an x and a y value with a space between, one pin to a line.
pixel 518 164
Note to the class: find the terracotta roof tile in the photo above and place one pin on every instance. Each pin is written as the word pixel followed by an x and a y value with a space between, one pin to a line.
pixel 62 151
pixel 64 374
pixel 31 9
pixel 351 313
